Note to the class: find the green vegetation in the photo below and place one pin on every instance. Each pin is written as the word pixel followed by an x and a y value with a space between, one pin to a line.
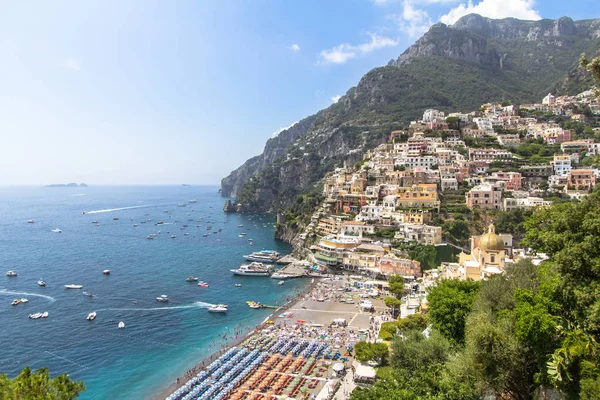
pixel 534 328
pixel 366 351
pixel 37 385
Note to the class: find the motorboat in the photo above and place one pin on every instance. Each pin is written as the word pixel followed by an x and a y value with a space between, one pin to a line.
pixel 191 279
pixel 160 223
pixel 91 316
pixel 192 201
pixel 36 315
pixel 243 234
pixel 151 236
pixel 186 234
pixel 15 302
pixel 218 308
pixel 205 235
pixel 181 205
pixel 279 275
pixel 106 272
pixel 41 283
pixel 95 222
pixel 88 294
pixel 281 283
pixel 72 286
pixel 238 285
pixel 173 236
pixel 24 300
pixel 203 284
pixel 115 219
pixel 121 325
pixel 265 256
pixel 162 298
pixel 57 230
pixel 240 226
pixel 11 273
pixel 135 225
pixel 254 304
pixel 45 314
pixel 253 269
pixel 31 221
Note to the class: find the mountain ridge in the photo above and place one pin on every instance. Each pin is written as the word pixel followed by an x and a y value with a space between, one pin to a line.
pixel 451 67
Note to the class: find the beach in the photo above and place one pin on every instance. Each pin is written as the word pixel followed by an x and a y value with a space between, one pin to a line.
pixel 300 342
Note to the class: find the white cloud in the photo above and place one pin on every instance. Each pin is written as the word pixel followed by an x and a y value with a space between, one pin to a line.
pixel 414 21
pixel 295 48
pixel 380 2
pixel 336 98
pixel 274 134
pixel 72 64
pixel 344 52
pixel 521 9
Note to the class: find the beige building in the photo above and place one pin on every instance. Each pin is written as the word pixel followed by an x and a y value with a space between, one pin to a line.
pixel 484 196
pixel 487 256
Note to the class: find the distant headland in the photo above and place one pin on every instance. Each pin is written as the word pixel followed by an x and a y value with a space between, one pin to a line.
pixel 67 185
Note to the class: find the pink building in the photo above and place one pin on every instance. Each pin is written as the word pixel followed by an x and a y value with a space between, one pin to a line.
pixel 512 180
pixel 484 196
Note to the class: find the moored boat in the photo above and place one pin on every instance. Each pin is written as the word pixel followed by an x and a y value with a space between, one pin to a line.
pixel 24 300
pixel 41 282
pixel 15 302
pixel 36 315
pixel 121 325
pixel 265 256
pixel 45 314
pixel 253 269
pixel 72 286
pixel 11 273
pixel 91 316
pixel 191 279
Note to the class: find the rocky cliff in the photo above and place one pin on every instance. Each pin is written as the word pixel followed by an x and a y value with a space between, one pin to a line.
pixel 451 68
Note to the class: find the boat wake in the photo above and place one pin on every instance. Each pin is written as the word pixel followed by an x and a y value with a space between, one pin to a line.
pixel 123 208
pixel 4 291
pixel 198 304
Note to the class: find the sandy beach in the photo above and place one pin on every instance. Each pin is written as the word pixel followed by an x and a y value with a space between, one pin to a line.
pixel 306 318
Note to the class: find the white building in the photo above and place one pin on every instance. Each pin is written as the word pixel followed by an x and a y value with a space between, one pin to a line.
pixel 430 115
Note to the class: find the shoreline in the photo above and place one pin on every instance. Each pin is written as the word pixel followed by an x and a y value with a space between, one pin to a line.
pixel 165 392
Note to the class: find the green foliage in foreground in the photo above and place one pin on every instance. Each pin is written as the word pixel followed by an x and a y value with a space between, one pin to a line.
pixel 534 329
pixel 37 385
pixel 366 351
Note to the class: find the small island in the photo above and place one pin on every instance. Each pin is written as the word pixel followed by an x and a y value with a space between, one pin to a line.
pixel 67 185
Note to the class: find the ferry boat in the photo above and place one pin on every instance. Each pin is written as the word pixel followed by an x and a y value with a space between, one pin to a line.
pixel 265 256
pixel 253 269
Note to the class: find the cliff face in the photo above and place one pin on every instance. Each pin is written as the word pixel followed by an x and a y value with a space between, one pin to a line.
pixel 451 68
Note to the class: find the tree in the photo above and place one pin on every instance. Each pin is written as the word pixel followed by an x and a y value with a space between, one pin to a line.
pixel 412 322
pixel 37 385
pixel 458 230
pixel 392 303
pixel 396 285
pixel 591 65
pixel 366 351
pixel 449 303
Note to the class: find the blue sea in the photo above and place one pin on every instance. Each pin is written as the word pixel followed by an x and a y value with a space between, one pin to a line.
pixel 160 340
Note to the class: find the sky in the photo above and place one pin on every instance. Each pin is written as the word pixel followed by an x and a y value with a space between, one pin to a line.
pixel 169 92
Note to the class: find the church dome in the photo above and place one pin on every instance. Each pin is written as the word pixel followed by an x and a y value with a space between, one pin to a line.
pixel 491 241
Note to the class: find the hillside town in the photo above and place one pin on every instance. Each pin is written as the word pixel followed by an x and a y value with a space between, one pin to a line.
pixel 500 158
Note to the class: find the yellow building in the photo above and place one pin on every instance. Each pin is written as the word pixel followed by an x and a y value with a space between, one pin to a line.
pixel 423 195
pixel 487 256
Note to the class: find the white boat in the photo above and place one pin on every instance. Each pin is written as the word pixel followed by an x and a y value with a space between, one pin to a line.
pixel 91 316
pixel 173 236
pixel 181 205
pixel 31 221
pixel 265 256
pixel 192 201
pixel 281 283
pixel 238 285
pixel 45 314
pixel 24 300
pixel 106 272
pixel 151 236
pixel 162 298
pixel 279 275
pixel 72 286
pixel 243 234
pixel 11 273
pixel 95 222
pixel 135 225
pixel 218 308
pixel 253 269
pixel 41 283
pixel 121 325
pixel 35 316
pixel 57 230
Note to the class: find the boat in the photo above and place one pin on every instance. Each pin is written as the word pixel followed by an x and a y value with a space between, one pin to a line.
pixel 238 285
pixel 57 230
pixel 91 316
pixel 279 275
pixel 135 225
pixel 186 234
pixel 151 236
pixel 72 286
pixel 95 222
pixel 115 219
pixel 106 272
pixel 24 300
pixel 121 325
pixel 31 221
pixel 281 283
pixel 181 205
pixel 203 284
pixel 191 279
pixel 15 302
pixel 240 226
pixel 243 234
pixel 35 316
pixel 205 235
pixel 45 314
pixel 253 269
pixel 41 283
pixel 265 256
pixel 255 305
pixel 162 298
pixel 160 223
pixel 88 294
pixel 192 201
pixel 218 308
pixel 173 236
pixel 11 273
